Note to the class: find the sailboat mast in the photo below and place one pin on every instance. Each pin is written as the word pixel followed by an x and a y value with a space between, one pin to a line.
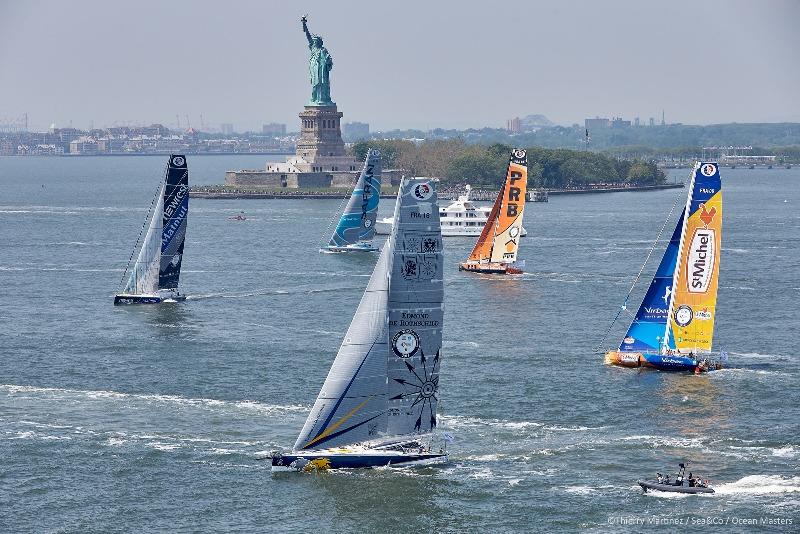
pixel 686 213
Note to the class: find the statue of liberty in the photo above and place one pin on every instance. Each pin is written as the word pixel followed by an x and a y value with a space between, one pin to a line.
pixel 320 64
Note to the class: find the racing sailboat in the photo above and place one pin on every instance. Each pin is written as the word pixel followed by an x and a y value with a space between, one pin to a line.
pixel 674 326
pixel 153 276
pixel 356 226
pixel 378 404
pixel 496 249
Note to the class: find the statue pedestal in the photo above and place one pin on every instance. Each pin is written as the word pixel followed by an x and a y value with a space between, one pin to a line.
pixel 320 143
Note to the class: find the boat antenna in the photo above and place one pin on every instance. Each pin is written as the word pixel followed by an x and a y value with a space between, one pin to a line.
pixel 624 307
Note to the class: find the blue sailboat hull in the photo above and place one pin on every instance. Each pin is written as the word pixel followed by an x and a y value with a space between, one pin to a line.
pixel 666 362
pixel 662 362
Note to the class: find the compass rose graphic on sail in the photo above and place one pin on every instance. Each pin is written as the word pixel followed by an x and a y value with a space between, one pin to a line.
pixel 422 388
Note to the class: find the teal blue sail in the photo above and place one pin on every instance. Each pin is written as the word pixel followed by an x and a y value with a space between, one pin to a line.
pixel 357 224
pixel 646 332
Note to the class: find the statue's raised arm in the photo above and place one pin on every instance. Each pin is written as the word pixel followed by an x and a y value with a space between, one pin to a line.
pixel 304 20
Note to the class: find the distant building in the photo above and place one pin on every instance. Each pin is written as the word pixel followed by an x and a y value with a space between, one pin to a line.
pixel 355 131
pixel 617 122
pixel 226 128
pixel 652 121
pixel 274 129
pixel 513 125
pixel 597 123
pixel 87 146
pixel 637 122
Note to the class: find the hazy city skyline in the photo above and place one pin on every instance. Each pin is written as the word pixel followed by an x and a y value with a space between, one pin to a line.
pixel 418 65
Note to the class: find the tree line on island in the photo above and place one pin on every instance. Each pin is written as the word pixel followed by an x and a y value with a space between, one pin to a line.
pixel 456 162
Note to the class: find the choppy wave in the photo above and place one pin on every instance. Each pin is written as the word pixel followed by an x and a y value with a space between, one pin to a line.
pixel 250 405
pixel 458 421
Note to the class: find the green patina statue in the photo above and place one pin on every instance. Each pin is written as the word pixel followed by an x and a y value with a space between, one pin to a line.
pixel 320 64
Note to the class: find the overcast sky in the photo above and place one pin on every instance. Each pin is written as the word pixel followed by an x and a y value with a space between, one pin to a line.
pixel 405 64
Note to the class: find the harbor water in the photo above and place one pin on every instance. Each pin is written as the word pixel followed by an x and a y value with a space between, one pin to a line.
pixel 152 418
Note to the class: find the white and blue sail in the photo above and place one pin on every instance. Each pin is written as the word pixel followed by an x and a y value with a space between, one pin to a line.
pixel 155 273
pixel 356 227
pixel 383 384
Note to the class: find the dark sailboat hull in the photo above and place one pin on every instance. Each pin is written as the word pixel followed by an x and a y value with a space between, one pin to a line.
pixel 145 299
pixel 325 460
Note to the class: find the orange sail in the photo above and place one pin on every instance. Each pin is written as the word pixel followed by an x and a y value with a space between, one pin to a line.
pixel 499 240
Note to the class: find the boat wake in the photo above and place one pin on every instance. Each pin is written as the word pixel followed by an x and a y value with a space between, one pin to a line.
pixel 760 485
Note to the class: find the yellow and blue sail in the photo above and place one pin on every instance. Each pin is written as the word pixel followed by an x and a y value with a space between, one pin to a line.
pixel 357 223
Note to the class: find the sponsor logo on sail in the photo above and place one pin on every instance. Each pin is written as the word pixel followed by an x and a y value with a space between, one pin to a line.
pixel 178 161
pixel 703 315
pixel 405 343
pixel 709 169
pixel 707 215
pixel 700 264
pixel 628 340
pixel 683 315
pixel 423 191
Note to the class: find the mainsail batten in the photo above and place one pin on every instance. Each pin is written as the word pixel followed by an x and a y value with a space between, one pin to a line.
pixel 357 223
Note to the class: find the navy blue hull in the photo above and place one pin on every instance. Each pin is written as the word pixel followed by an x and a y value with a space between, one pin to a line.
pixel 321 461
pixel 666 362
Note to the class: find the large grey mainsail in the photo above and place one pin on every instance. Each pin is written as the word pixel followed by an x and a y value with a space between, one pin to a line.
pixel 416 292
pixel 353 404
